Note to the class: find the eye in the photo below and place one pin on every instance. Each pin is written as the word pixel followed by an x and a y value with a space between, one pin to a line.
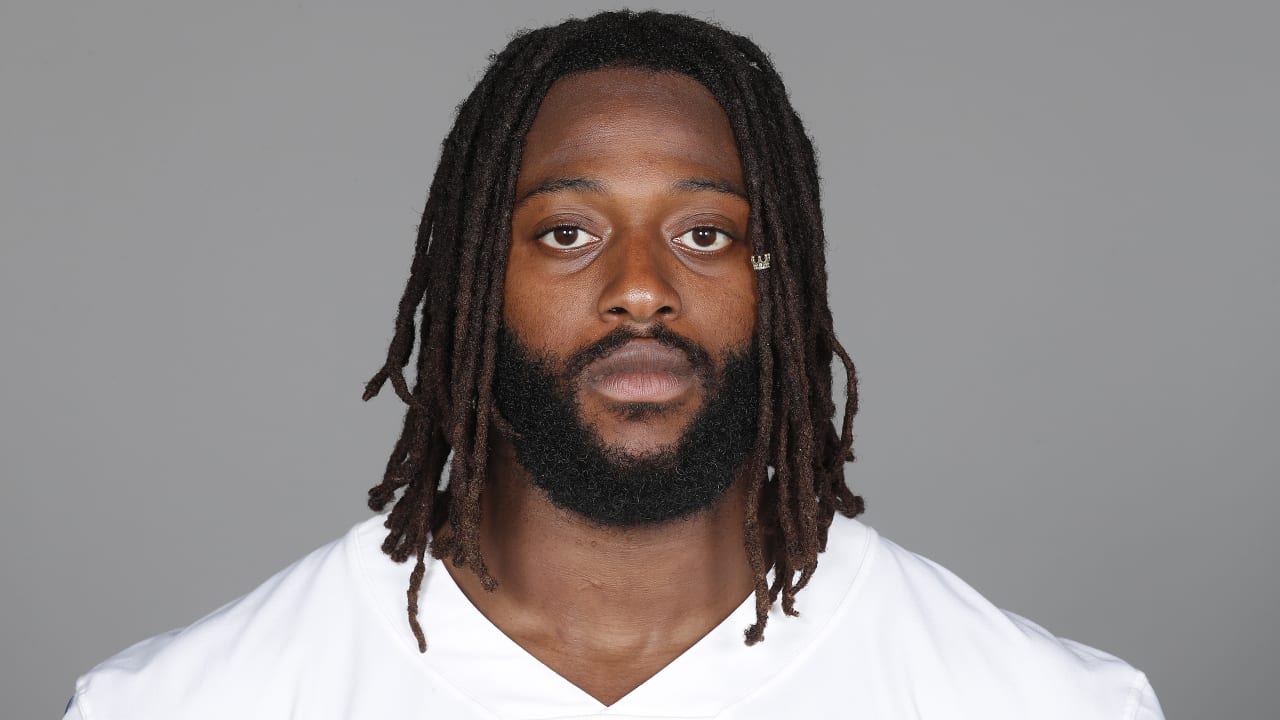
pixel 567 237
pixel 706 239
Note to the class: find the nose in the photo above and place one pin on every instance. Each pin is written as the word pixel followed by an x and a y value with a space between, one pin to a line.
pixel 638 282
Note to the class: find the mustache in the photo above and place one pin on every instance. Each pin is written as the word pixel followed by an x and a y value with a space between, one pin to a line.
pixel 699 359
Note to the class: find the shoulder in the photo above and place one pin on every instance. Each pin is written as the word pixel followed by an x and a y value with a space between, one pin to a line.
pixel 926 635
pixel 258 647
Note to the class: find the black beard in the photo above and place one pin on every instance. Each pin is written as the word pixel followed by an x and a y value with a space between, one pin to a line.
pixel 607 486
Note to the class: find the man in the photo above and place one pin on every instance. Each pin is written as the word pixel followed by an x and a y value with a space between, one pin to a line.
pixel 625 362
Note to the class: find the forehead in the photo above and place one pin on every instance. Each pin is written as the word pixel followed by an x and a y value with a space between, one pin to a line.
pixel 624 121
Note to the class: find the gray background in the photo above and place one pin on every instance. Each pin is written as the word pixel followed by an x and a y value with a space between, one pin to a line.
pixel 1053 245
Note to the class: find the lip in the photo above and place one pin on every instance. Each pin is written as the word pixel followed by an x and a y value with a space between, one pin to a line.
pixel 641 371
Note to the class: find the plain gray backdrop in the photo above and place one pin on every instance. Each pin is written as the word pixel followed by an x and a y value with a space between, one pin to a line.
pixel 1054 253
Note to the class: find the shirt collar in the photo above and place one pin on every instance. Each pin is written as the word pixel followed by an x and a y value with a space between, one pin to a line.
pixel 470 653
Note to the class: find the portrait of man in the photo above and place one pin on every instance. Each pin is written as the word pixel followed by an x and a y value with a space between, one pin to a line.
pixel 620 487
pixel 718 360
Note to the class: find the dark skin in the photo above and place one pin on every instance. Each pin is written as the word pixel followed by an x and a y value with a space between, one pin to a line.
pixel 631 211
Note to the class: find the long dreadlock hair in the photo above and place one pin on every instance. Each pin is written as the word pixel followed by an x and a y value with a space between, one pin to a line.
pixel 796 470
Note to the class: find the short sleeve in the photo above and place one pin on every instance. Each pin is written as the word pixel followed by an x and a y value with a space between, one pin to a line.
pixel 1145 704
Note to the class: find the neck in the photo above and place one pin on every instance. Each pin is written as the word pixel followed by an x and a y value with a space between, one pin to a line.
pixel 565 581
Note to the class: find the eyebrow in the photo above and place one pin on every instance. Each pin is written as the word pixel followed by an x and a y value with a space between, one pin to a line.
pixel 709 185
pixel 582 184
pixel 560 184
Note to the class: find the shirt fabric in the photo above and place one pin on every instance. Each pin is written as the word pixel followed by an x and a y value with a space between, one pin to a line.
pixel 883 633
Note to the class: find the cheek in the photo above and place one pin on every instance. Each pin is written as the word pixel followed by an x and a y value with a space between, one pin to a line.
pixel 546 314
pixel 519 297
pixel 729 309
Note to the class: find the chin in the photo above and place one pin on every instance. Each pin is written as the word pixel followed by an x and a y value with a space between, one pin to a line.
pixel 633 452
pixel 650 435
pixel 639 443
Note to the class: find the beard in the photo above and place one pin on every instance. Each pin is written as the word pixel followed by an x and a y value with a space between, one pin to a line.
pixel 569 462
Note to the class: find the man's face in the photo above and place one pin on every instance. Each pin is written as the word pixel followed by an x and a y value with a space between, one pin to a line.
pixel 629 276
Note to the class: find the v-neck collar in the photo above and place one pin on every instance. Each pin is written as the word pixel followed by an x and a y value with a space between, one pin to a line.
pixel 470 653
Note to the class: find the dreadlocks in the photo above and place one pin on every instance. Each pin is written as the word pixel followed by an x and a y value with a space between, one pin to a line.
pixel 796 470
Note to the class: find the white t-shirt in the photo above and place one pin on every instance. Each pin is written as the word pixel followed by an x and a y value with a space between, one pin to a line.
pixel 883 633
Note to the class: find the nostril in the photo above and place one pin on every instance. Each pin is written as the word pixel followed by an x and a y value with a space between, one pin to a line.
pixel 617 311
